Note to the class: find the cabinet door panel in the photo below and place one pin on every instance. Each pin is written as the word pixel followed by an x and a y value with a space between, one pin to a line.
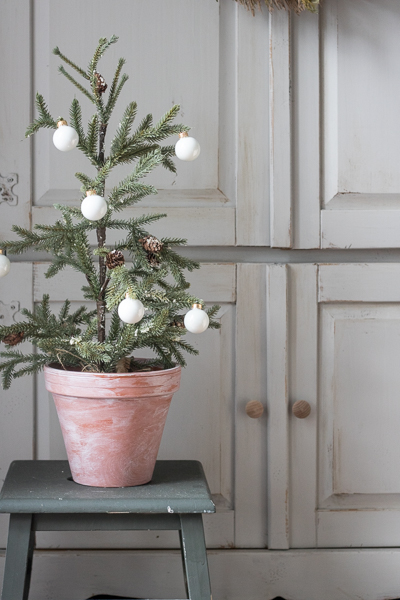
pixel 360 130
pixel 344 340
pixel 345 178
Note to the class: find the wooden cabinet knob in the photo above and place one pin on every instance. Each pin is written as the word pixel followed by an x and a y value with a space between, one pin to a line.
pixel 301 409
pixel 254 409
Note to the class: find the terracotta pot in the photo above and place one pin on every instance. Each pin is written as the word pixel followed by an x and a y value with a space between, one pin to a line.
pixel 112 423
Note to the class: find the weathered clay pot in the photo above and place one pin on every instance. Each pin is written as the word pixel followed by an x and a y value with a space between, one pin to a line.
pixel 112 423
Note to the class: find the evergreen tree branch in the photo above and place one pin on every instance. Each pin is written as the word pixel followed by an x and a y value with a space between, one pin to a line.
pixel 79 340
pixel 69 62
pixel 119 142
pixel 112 100
pixel 76 83
pixel 92 135
pixel 114 83
pixel 102 46
pixel 75 113
pixel 44 120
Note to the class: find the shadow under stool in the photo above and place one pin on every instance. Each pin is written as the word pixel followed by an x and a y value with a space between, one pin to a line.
pixel 40 495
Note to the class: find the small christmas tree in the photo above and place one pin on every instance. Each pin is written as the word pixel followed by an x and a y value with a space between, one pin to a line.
pixel 145 300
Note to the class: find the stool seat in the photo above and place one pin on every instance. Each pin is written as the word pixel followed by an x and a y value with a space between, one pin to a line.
pixel 41 496
pixel 46 486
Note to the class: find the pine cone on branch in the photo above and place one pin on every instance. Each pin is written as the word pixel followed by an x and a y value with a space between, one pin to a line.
pixel 153 259
pixel 13 339
pixel 101 85
pixel 178 321
pixel 115 258
pixel 151 244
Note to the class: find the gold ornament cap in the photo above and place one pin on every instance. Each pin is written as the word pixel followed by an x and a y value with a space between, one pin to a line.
pixel 91 193
pixel 61 122
pixel 197 305
pixel 183 134
pixel 2 251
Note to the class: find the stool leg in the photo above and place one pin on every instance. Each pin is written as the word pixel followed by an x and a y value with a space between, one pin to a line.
pixel 18 567
pixel 194 556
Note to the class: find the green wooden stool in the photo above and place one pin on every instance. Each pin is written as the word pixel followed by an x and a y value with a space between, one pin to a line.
pixel 41 496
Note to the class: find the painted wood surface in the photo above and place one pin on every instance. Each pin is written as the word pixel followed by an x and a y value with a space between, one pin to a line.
pixel 15 112
pixel 277 394
pixel 251 384
pixel 349 375
pixel 228 100
pixel 280 130
pixel 305 130
pixel 359 124
pixel 234 574
pixel 177 486
pixel 302 377
pixel 359 282
pixel 252 129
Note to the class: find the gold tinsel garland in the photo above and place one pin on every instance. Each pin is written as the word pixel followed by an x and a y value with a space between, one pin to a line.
pixel 296 5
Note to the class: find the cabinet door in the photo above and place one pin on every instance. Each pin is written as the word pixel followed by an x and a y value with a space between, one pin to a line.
pixel 335 472
pixel 346 126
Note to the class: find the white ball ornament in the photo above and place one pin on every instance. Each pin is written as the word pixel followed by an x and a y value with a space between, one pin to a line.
pixel 131 311
pixel 93 207
pixel 65 138
pixel 187 148
pixel 5 264
pixel 196 320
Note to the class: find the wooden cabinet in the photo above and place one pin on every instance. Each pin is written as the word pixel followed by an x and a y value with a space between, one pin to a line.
pixel 298 121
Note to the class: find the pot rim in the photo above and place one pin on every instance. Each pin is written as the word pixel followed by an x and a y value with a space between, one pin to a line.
pixel 50 368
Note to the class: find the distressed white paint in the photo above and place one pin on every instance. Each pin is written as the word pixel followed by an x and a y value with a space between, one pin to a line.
pixel 360 128
pixel 358 437
pixel 362 228
pixel 278 415
pixel 352 426
pixel 253 168
pixel 15 107
pixel 361 356
pixel 280 131
pixel 234 574
pixel 251 384
pixel 304 56
pixel 359 282
pixel 228 98
pixel 303 365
